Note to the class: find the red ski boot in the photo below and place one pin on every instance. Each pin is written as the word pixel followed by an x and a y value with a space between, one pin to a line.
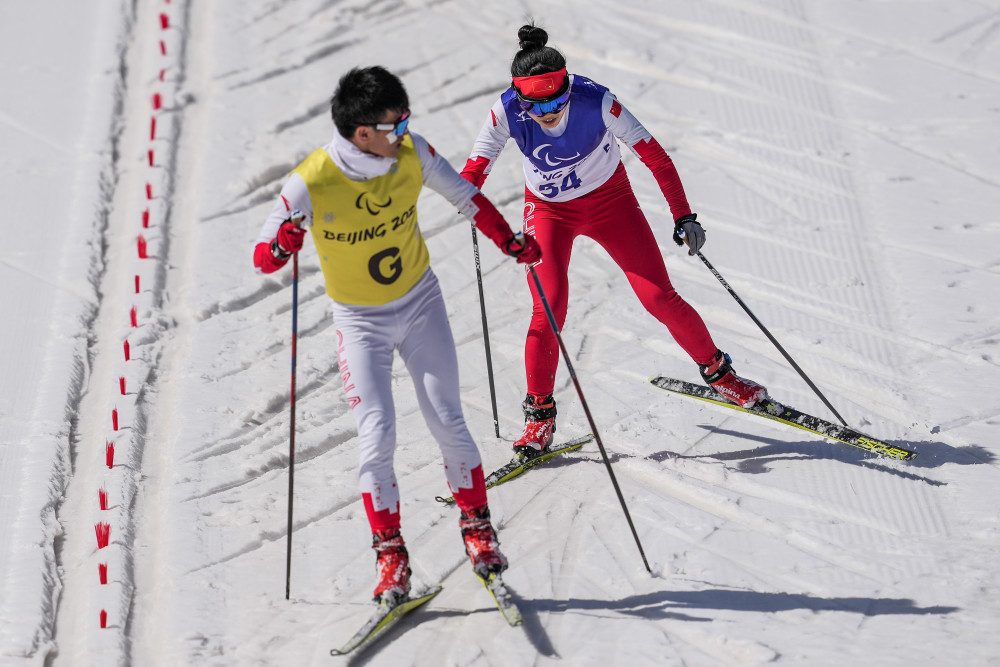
pixel 539 425
pixel 719 374
pixel 392 566
pixel 481 542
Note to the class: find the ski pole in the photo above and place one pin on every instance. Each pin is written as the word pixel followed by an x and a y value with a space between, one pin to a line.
pixel 291 432
pixel 291 429
pixel 771 338
pixel 586 409
pixel 486 330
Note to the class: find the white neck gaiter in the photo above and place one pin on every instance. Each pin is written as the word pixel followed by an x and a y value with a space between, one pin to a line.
pixel 355 163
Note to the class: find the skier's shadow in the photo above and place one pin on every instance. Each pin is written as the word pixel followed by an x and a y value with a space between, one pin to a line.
pixel 662 605
pixel 755 461
pixel 679 605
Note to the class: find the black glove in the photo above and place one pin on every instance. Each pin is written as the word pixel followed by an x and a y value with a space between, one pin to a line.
pixel 688 228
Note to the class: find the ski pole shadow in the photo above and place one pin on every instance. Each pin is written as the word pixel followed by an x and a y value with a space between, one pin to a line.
pixel 683 605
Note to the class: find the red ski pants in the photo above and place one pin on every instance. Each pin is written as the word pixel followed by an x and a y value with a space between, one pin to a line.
pixel 610 216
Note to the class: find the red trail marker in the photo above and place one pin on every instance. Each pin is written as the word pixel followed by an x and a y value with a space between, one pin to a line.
pixel 103 531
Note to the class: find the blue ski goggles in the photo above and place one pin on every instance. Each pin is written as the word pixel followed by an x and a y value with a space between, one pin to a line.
pixel 541 106
pixel 554 105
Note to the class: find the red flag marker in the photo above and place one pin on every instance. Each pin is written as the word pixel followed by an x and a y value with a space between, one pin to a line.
pixel 164 21
pixel 145 216
pixel 103 531
pixel 104 619
pixel 152 128
pixel 114 418
pixel 163 74
pixel 128 350
pixel 136 289
pixel 163 48
pixel 121 384
pixel 109 453
pixel 157 101
pixel 150 154
pixel 149 191
pixel 141 244
pixel 102 573
pixel 134 316
pixel 102 496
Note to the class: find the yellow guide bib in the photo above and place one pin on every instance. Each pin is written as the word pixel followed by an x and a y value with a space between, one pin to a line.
pixel 366 232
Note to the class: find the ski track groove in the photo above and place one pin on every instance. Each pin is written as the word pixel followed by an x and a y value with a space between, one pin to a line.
pixel 799 22
pixel 811 543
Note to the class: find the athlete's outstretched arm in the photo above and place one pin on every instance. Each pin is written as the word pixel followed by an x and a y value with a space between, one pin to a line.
pixel 441 177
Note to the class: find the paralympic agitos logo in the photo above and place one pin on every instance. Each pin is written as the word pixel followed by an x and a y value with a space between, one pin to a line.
pixel 365 202
pixel 541 153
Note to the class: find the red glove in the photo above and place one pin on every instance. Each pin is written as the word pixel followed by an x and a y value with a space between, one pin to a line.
pixel 289 240
pixel 524 248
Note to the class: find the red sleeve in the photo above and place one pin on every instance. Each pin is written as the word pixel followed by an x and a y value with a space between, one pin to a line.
pixel 490 222
pixel 654 157
pixel 265 260
pixel 475 171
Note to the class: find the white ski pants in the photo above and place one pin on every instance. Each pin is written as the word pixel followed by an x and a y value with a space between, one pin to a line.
pixel 417 325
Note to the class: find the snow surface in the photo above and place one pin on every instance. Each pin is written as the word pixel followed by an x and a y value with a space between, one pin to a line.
pixel 844 156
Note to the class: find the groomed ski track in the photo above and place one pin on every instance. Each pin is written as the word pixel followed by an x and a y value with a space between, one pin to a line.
pixel 766 546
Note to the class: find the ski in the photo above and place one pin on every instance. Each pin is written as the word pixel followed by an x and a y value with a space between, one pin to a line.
pixel 503 598
pixel 786 415
pixel 517 466
pixel 384 618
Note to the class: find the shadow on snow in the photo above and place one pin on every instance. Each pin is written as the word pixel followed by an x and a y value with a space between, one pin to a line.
pixel 679 604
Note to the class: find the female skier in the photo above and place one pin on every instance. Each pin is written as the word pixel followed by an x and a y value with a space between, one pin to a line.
pixel 359 196
pixel 568 128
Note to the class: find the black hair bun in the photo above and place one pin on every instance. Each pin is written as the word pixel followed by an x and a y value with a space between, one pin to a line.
pixel 532 37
